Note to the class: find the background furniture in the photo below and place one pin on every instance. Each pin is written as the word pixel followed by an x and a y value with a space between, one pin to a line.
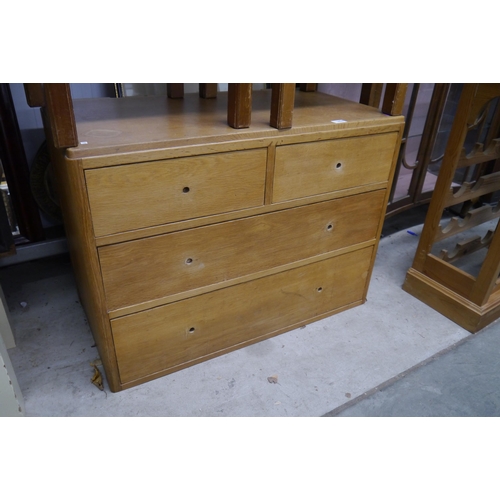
pixel 14 168
pixel 437 279
pixel 190 237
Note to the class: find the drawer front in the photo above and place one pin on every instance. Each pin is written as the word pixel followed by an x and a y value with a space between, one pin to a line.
pixel 135 196
pixel 320 167
pixel 193 329
pixel 143 270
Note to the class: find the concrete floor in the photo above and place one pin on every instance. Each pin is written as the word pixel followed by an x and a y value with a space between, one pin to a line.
pixel 392 356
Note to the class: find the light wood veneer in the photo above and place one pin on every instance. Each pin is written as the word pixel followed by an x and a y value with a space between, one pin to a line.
pixel 190 238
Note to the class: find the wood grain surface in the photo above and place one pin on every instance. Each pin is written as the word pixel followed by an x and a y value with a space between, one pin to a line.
pixel 168 336
pixel 135 196
pixel 147 269
pixel 317 167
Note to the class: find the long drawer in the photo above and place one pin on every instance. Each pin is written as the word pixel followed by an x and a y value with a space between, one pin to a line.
pixel 143 270
pixel 129 197
pixel 312 168
pixel 197 328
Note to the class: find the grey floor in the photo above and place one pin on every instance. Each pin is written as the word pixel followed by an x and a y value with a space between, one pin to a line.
pixel 392 356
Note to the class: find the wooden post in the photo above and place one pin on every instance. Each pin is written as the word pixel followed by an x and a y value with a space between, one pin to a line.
pixel 59 106
pixel 308 87
pixel 371 94
pixel 208 90
pixel 429 134
pixel 394 98
pixel 283 97
pixel 175 90
pixel 34 95
pixel 239 105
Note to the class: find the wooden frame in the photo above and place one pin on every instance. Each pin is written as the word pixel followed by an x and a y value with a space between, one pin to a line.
pixel 471 302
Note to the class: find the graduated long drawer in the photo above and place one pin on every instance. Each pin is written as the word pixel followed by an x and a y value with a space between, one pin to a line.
pixel 129 197
pixel 168 337
pixel 313 168
pixel 144 270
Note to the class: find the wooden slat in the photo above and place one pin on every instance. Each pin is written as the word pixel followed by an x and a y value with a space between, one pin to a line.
pixel 394 98
pixel 208 90
pixel 466 247
pixel 175 90
pixel 239 106
pixel 308 87
pixel 34 94
pixel 59 106
pixel 371 94
pixel 484 185
pixel 479 155
pixel 282 102
pixel 472 219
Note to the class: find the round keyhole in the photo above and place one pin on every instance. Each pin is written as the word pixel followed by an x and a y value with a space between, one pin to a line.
pixel 189 261
pixel 185 190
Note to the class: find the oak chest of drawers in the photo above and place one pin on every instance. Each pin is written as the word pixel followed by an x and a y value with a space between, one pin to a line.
pixel 190 239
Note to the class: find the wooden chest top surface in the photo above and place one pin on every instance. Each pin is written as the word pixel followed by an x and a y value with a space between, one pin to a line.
pixel 110 126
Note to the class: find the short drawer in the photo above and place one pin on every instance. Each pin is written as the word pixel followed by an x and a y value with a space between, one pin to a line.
pixel 143 270
pixel 141 195
pixel 192 330
pixel 314 168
